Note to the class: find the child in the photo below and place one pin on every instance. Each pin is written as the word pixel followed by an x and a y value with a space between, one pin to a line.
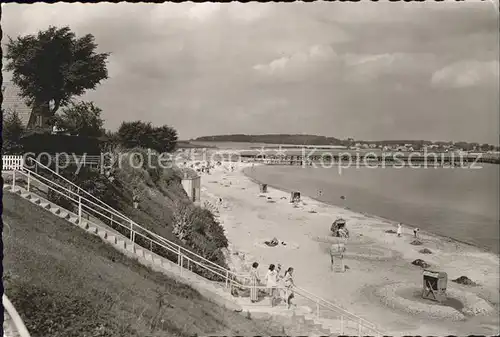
pixel 400 230
pixel 272 283
pixel 289 284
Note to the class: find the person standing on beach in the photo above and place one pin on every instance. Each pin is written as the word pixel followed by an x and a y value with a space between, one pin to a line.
pixel 289 284
pixel 400 230
pixel 254 280
pixel 415 232
pixel 272 283
pixel 320 193
pixel 279 281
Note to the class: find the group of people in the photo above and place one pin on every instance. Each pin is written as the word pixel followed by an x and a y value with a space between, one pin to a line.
pixel 400 231
pixel 278 286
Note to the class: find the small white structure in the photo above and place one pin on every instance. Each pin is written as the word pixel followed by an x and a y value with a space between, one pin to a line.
pixel 192 185
pixel 10 163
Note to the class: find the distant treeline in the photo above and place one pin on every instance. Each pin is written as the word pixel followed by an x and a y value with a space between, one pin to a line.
pixel 274 139
pixel 302 139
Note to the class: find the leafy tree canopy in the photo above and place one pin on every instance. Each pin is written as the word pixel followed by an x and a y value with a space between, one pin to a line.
pixel 80 119
pixel 53 66
pixel 141 134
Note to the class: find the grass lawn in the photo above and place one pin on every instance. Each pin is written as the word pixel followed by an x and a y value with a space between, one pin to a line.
pixel 65 282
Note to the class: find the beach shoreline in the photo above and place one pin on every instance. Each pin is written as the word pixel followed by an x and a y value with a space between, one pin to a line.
pixel 245 171
pixel 378 262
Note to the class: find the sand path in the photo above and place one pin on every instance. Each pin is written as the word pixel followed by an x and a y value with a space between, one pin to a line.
pixel 375 258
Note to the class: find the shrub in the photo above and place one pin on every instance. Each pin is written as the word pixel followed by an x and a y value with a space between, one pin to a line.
pixel 12 130
pixel 61 201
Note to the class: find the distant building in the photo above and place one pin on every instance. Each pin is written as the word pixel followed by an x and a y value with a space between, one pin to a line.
pixel 13 101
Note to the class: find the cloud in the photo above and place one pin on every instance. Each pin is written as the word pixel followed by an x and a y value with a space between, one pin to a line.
pixel 336 68
pixel 467 74
pixel 297 61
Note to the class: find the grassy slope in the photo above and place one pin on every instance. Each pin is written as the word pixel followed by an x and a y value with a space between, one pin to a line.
pixel 65 282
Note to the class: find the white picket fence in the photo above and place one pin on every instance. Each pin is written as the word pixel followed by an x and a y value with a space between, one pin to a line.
pixel 10 163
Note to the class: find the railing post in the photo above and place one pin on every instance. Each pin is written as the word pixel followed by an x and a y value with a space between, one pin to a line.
pixel 151 245
pixel 79 209
pixel 29 180
pixel 179 256
pixel 13 179
pixel 227 278
pixel 359 328
pixel 317 309
pixel 341 325
pixel 182 260
pixel 132 233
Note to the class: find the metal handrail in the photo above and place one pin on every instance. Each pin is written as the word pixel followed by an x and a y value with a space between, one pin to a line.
pixel 120 215
pixel 152 238
pixel 16 319
pixel 340 309
pixel 222 272
pixel 321 302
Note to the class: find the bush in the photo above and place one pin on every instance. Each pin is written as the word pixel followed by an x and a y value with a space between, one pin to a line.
pixel 61 201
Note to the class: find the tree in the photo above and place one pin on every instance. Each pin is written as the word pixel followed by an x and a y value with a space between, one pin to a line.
pixel 12 131
pixel 54 66
pixel 135 134
pixel 164 139
pixel 81 119
pixel 141 134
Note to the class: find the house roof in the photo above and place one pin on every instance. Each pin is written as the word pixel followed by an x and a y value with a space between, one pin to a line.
pixel 13 101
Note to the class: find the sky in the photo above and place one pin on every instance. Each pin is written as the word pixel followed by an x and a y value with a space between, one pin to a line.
pixel 371 71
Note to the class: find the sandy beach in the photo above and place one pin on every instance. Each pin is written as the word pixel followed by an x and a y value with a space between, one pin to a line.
pixel 380 285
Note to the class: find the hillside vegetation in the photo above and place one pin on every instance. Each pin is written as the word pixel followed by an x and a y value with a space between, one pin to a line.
pixel 161 198
pixel 67 283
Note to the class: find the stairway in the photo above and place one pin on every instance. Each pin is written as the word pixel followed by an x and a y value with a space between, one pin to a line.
pixel 303 321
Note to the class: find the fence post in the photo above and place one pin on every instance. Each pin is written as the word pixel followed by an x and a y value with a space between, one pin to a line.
pixel 79 209
pixel 29 180
pixel 179 256
pixel 182 260
pixel 13 179
pixel 359 328
pixel 227 278
pixel 341 325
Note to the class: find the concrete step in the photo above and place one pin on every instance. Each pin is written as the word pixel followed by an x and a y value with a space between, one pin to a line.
pixel 73 220
pixel 26 195
pixel 148 256
pixel 55 209
pixel 103 234
pixel 112 239
pixel 36 200
pixel 64 214
pixel 45 204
